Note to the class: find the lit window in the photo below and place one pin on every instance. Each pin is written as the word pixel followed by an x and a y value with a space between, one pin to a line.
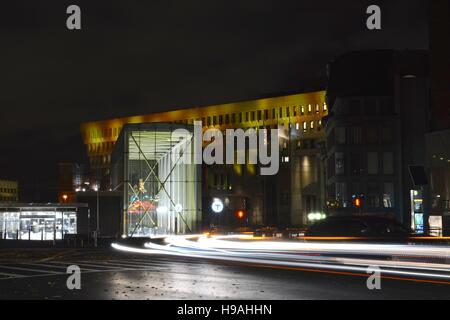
pixel 324 106
pixel 303 110
pixel 317 108
pixel 304 126
pixel 388 195
pixel 297 126
pixel 311 124
pixel 309 108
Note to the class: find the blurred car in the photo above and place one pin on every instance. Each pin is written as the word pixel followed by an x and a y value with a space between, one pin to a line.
pixel 358 226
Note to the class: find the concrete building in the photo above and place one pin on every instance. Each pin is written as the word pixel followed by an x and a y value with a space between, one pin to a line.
pixel 284 199
pixel 438 139
pixel 9 191
pixel 379 111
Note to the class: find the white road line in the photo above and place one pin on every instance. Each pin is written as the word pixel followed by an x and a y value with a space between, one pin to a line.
pixel 14 275
pixel 87 264
pixel 53 266
pixel 138 263
pixel 108 264
pixel 29 269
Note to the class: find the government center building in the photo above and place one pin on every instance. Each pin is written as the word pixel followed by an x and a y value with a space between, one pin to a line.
pixel 137 156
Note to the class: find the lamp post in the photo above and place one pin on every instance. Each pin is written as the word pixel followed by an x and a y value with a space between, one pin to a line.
pixel 97 229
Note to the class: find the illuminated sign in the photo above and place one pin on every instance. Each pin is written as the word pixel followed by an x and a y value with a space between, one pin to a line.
pixel 217 205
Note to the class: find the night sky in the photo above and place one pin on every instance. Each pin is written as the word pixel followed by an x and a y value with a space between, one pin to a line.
pixel 134 57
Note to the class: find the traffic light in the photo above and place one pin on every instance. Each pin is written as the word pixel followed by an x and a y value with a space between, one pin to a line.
pixel 240 214
pixel 357 202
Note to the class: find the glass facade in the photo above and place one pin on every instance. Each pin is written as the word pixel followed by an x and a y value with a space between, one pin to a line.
pixel 37 223
pixel 154 166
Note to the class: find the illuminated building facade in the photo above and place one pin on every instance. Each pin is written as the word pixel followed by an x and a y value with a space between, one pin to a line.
pixel 43 222
pixel 161 191
pixel 379 106
pixel 284 199
pixel 9 191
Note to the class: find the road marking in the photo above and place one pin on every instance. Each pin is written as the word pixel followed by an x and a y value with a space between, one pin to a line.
pixel 58 267
pixel 14 275
pixel 30 269
pixel 87 264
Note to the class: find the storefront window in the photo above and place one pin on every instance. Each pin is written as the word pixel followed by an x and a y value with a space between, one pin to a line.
pixel 37 224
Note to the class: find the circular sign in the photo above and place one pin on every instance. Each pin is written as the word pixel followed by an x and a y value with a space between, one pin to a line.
pixel 217 205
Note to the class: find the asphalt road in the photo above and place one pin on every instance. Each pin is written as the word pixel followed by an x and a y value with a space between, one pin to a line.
pixel 108 274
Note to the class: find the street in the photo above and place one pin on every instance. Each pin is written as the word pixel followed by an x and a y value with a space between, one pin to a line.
pixel 109 274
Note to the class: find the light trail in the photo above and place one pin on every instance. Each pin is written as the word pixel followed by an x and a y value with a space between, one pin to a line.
pixel 395 260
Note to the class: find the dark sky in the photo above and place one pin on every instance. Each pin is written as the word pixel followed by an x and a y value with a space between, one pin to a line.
pixel 135 57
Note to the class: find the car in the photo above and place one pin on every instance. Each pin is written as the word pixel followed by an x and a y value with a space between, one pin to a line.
pixel 358 226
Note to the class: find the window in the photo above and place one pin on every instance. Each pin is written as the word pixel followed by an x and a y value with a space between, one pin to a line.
pixel 372 163
pixel 356 136
pixel 317 108
pixel 304 126
pixel 227 119
pixel 253 116
pixel 388 195
pixel 214 120
pixel 386 135
pixel 373 195
pixel 309 108
pixel 341 193
pixel 302 110
pixel 259 115
pixel 295 110
pixel 233 118
pixel 266 114
pixel 220 119
pixel 297 126
pixel 240 117
pixel 340 135
pixel 355 164
pixel 339 163
pixel 246 117
pixel 280 114
pixel 372 135
pixel 288 114
pixel 311 124
pixel 273 114
pixel 388 163
pixel 324 106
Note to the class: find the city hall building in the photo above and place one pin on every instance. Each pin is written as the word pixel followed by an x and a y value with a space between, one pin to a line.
pixel 243 196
